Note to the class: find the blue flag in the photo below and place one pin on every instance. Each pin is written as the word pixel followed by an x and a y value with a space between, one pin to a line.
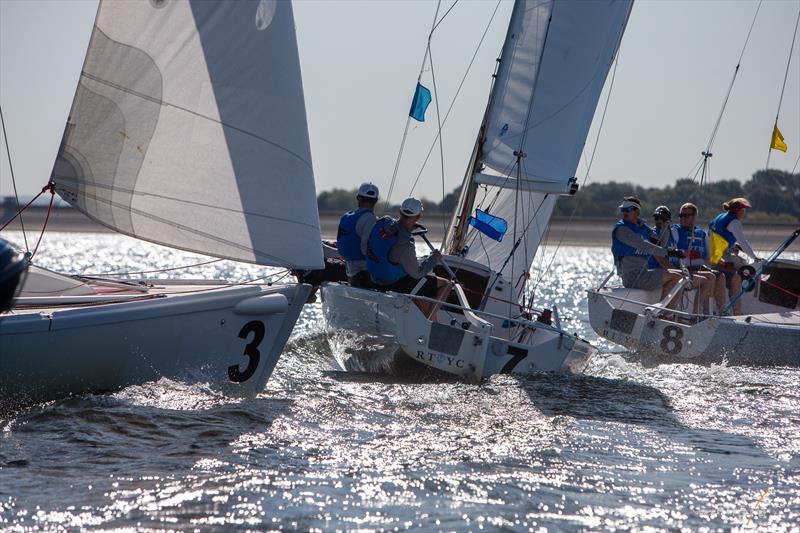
pixel 490 225
pixel 422 98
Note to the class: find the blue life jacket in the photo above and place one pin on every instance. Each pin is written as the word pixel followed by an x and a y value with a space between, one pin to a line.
pixel 720 238
pixel 698 244
pixel 719 225
pixel 619 249
pixel 379 244
pixel 348 241
pixel 671 243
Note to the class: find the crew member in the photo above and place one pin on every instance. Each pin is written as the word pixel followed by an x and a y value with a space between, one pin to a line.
pixel 631 246
pixel 726 238
pixel 664 236
pixel 392 260
pixel 693 242
pixel 353 234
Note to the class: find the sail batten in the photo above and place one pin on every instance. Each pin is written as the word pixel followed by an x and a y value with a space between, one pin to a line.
pixel 188 129
pixel 553 66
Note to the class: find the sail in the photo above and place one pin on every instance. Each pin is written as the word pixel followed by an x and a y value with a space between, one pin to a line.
pixel 554 63
pixel 188 129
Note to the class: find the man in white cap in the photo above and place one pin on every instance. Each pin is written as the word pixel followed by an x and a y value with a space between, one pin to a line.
pixel 631 248
pixel 392 258
pixel 353 233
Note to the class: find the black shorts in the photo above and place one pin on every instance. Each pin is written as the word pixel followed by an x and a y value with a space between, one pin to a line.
pixel 407 284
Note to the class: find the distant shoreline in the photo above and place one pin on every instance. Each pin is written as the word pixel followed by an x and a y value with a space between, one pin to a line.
pixel 593 231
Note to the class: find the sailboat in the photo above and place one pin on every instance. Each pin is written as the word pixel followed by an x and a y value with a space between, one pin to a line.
pixel 187 129
pixel 765 331
pixel 552 69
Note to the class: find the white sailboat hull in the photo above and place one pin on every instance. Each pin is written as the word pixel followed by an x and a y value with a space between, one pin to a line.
pixel 377 331
pixel 767 333
pixel 228 337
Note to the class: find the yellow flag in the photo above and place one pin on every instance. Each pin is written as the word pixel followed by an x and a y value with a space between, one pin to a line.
pixel 777 140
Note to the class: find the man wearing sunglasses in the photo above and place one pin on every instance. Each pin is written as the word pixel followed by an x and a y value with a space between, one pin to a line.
pixel 693 242
pixel 631 247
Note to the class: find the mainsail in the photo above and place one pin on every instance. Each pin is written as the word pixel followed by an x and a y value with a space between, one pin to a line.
pixel 188 129
pixel 554 63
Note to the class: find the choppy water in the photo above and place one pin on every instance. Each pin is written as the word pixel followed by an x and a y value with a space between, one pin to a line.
pixel 624 447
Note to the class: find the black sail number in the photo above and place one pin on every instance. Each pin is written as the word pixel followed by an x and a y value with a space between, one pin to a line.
pixel 671 342
pixel 251 351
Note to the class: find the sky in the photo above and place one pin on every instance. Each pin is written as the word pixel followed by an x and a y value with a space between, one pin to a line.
pixel 360 61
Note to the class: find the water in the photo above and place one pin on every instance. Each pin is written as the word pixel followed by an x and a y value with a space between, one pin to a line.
pixel 625 447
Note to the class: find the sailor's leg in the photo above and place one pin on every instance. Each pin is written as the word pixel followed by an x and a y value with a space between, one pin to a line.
pixel 669 278
pixel 719 291
pixel 736 286
pixel 443 288
pixel 704 284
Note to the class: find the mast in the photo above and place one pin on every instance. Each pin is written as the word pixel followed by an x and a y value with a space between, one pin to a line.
pixel 553 66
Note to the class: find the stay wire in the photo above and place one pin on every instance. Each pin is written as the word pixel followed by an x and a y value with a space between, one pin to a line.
pixel 455 97
pixel 13 180
pixel 730 88
pixel 783 88
pixel 439 132
pixel 408 118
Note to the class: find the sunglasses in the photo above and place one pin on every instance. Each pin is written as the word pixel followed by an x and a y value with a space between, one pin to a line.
pixel 628 209
pixel 686 215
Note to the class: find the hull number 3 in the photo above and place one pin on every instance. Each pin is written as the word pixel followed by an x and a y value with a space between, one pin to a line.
pixel 255 327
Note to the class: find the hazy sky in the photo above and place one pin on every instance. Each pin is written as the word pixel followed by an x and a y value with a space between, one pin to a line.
pixel 360 62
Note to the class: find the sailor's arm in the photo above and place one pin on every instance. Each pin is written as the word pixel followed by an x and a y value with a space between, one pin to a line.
pixel 403 254
pixel 634 240
pixel 735 227
pixel 364 228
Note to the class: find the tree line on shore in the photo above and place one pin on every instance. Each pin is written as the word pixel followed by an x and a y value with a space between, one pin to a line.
pixel 774 195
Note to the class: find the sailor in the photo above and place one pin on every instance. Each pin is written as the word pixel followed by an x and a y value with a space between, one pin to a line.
pixel 693 242
pixel 13 267
pixel 631 247
pixel 664 236
pixel 353 234
pixel 726 239
pixel 392 258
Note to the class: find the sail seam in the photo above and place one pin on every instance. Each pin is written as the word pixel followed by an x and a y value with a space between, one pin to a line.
pixel 62 180
pixel 195 113
pixel 256 252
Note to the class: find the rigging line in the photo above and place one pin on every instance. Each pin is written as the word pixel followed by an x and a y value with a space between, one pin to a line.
pixel 795 164
pixel 458 90
pixel 733 79
pixel 444 16
pixel 588 169
pixel 439 133
pixel 408 118
pixel 154 271
pixel 785 76
pixel 13 180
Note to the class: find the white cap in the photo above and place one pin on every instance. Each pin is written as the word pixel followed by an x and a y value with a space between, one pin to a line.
pixel 368 190
pixel 411 207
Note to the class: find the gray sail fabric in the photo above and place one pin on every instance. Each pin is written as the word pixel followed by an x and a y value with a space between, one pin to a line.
pixel 188 129
pixel 555 60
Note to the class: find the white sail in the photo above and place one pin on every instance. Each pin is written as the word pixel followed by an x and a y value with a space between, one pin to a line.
pixel 554 63
pixel 188 129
